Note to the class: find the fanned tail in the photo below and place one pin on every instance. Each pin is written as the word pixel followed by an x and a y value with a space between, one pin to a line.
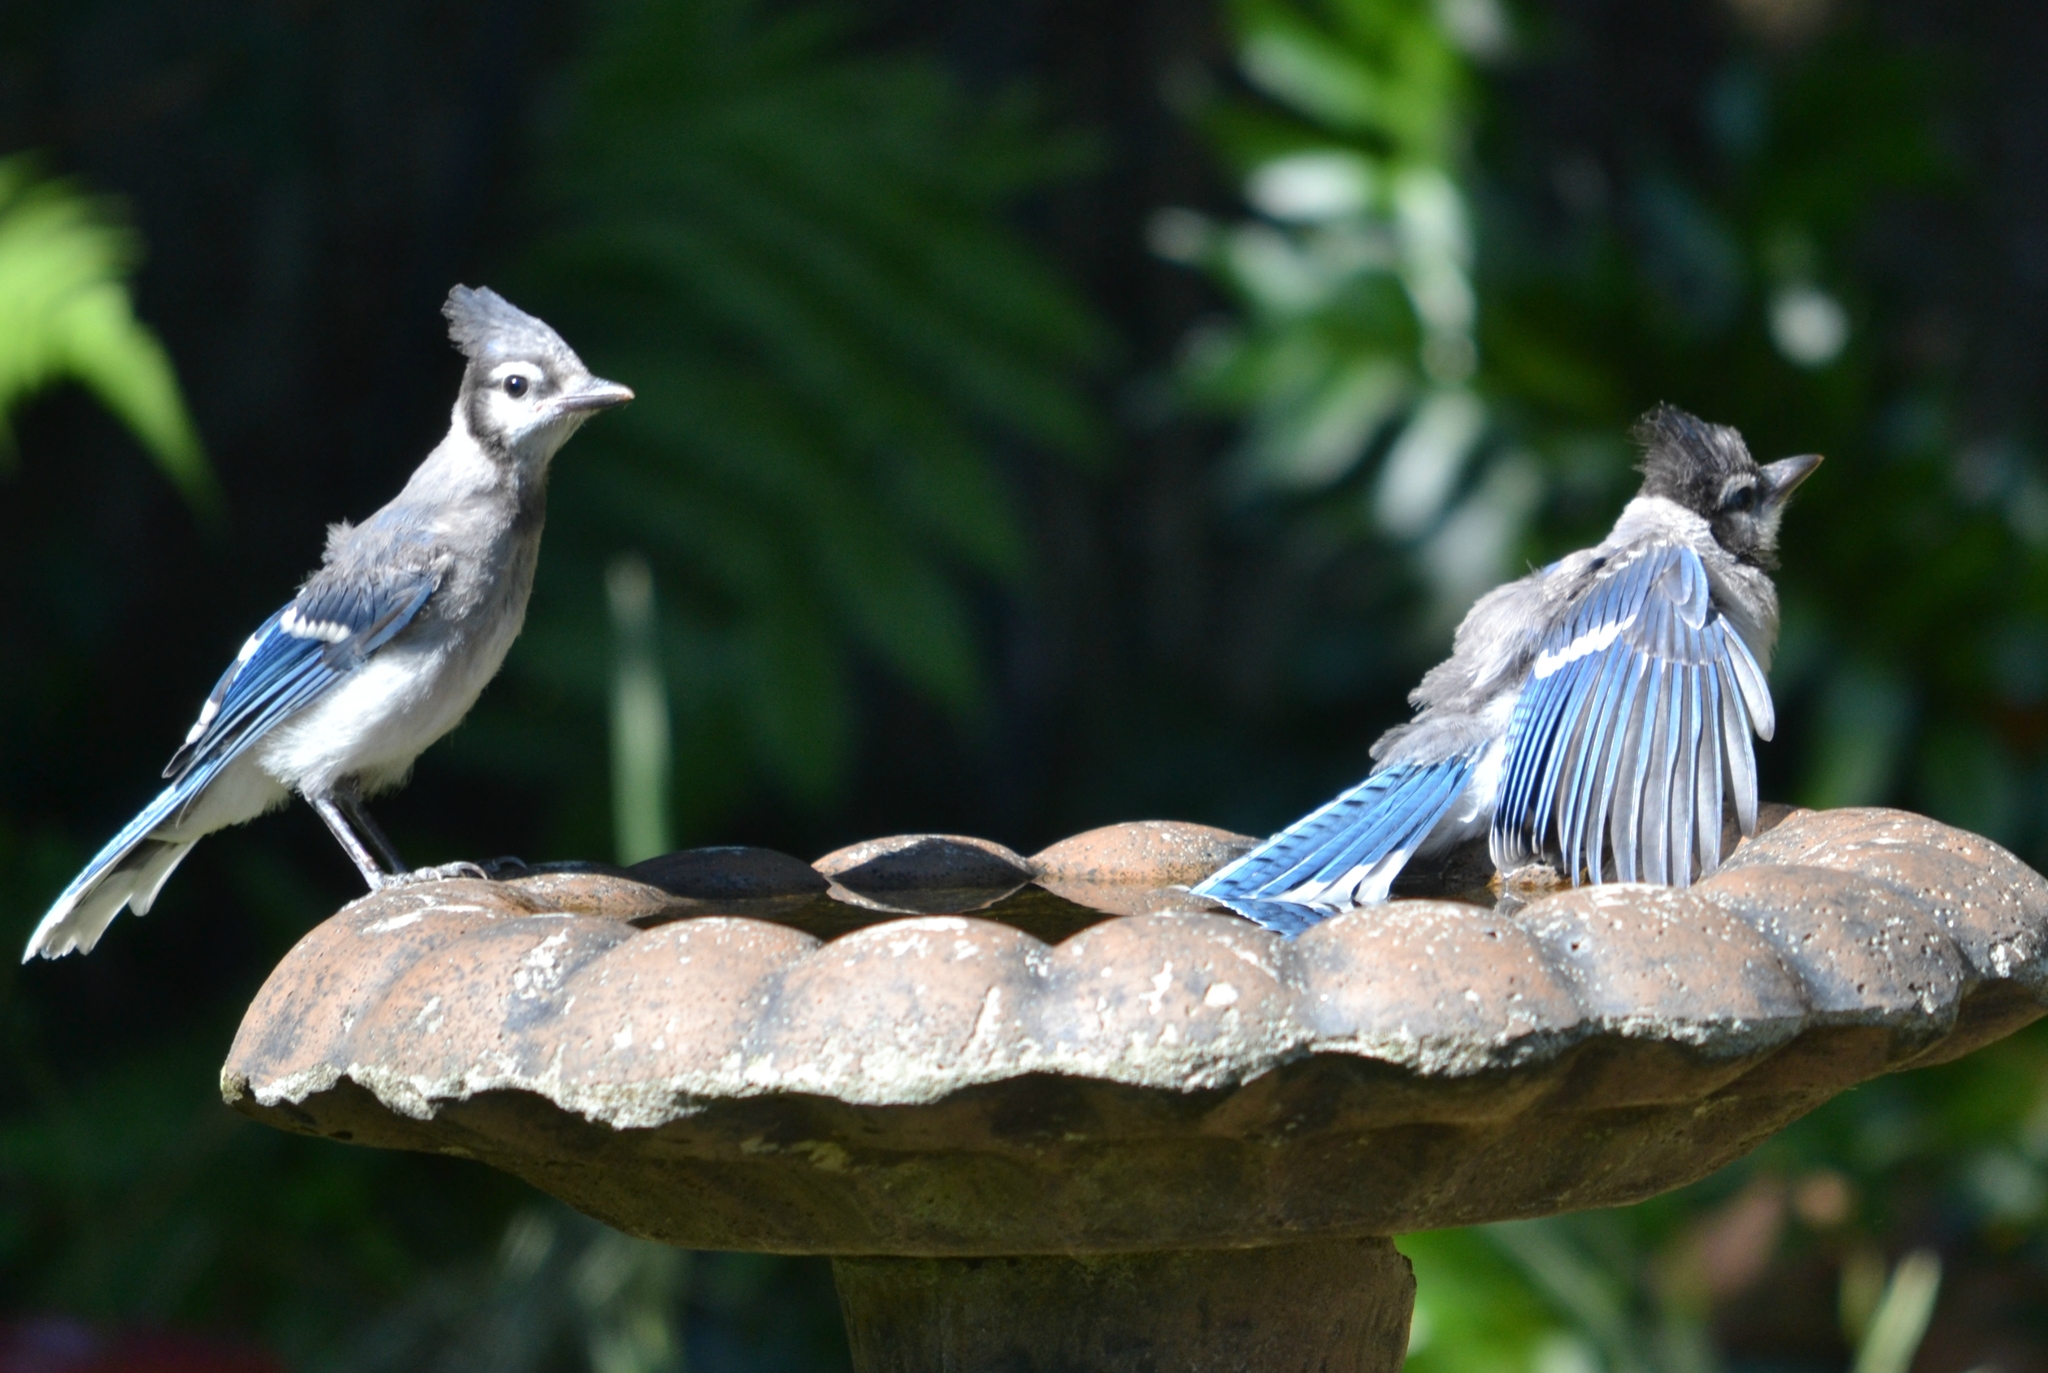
pixel 1346 853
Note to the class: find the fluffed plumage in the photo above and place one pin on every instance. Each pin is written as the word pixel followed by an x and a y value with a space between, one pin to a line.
pixel 1596 714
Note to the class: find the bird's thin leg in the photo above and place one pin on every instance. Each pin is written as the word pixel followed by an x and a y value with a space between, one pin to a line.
pixel 353 846
pixel 350 803
pixel 345 814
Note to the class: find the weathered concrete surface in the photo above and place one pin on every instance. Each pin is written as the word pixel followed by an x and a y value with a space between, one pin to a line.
pixel 1143 867
pixel 1141 853
pixel 1332 1306
pixel 951 1085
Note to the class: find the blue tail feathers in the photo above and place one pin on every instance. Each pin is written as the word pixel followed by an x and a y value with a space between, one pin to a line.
pixel 1282 917
pixel 128 870
pixel 1345 854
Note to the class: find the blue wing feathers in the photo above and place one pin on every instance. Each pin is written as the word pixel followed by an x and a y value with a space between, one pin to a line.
pixel 1588 760
pixel 1547 726
pixel 1641 721
pixel 1623 747
pixel 1515 761
pixel 1756 696
pixel 1662 789
pixel 1571 714
pixel 1539 788
pixel 1653 699
pixel 287 670
pixel 1628 703
pixel 1604 757
pixel 1688 837
pixel 1735 731
pixel 1523 759
pixel 1576 780
pixel 1657 790
pixel 1710 772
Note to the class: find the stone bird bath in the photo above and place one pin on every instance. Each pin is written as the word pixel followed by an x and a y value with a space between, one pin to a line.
pixel 1056 1114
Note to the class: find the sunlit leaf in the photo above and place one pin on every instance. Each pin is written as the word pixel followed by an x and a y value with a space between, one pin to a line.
pixel 66 315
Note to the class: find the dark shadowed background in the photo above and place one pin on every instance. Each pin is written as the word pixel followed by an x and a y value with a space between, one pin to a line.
pixel 1050 414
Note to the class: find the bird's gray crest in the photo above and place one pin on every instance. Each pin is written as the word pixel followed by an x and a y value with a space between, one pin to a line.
pixel 1686 459
pixel 489 328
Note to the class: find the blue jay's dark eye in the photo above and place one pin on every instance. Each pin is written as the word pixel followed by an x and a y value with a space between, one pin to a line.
pixel 515 387
pixel 1740 499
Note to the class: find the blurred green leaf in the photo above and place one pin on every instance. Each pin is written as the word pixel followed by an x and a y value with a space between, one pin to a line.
pixel 1900 1321
pixel 1474 1309
pixel 65 314
pixel 642 758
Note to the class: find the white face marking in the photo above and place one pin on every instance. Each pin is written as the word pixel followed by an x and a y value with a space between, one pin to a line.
pixel 512 396
pixel 524 371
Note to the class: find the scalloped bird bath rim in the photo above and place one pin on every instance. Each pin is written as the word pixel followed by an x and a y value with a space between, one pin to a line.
pixel 1094 1063
pixel 1595 1047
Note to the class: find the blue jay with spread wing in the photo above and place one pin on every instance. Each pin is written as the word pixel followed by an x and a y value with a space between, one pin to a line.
pixel 1595 715
pixel 385 648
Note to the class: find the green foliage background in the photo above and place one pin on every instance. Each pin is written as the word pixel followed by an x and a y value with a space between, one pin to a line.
pixel 946 522
pixel 802 249
pixel 68 317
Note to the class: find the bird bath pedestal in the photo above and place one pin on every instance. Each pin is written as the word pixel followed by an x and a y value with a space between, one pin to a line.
pixel 1097 1123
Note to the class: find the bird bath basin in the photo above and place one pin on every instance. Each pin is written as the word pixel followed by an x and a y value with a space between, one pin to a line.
pixel 1054 1114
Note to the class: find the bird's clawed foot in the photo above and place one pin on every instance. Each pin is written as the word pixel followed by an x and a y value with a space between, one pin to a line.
pixel 1529 881
pixel 1515 889
pixel 495 870
pixel 440 872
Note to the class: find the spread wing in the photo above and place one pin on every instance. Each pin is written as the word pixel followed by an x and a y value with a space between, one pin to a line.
pixel 1636 716
pixel 335 623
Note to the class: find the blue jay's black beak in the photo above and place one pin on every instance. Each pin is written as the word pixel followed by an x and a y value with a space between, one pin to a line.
pixel 1786 473
pixel 595 394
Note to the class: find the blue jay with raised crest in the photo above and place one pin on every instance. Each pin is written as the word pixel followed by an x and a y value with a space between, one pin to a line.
pixel 1595 715
pixel 385 648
